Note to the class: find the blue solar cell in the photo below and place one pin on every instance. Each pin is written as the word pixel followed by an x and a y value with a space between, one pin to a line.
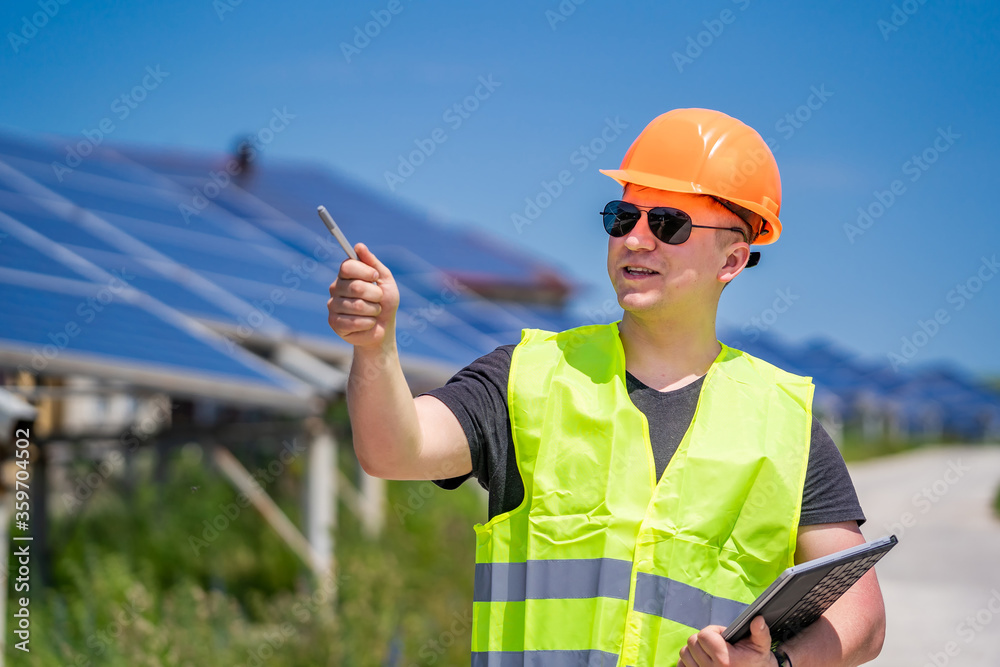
pixel 214 248
pixel 116 330
pixel 177 166
pixel 15 254
pixel 49 161
pixel 251 265
pixel 156 200
pixel 55 229
pixel 433 342
pixel 501 321
pixel 237 203
pixel 156 209
pixel 284 295
pixel 310 322
pixel 36 151
pixel 179 297
pixel 228 255
pixel 6 187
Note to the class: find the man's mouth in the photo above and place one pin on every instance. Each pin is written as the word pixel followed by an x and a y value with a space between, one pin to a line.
pixel 639 271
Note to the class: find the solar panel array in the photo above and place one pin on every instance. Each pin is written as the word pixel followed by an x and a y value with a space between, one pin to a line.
pixel 249 258
pixel 921 401
pixel 242 251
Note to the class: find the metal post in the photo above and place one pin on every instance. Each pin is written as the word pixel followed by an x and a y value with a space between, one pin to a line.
pixel 282 525
pixel 372 503
pixel 321 491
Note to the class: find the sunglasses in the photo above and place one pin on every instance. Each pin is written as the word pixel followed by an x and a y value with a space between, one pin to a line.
pixel 670 225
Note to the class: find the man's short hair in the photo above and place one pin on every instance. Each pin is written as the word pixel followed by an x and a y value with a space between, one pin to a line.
pixel 740 217
pixel 748 220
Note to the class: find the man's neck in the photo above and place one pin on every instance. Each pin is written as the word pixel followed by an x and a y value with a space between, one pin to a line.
pixel 668 354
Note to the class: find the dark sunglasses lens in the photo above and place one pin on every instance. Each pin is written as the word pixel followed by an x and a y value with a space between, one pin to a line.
pixel 670 225
pixel 620 217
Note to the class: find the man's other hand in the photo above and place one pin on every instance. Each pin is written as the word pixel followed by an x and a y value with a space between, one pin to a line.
pixel 709 649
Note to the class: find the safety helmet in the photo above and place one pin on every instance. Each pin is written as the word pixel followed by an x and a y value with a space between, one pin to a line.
pixel 707 152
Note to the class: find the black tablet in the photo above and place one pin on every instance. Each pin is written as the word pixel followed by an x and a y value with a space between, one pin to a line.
pixel 802 593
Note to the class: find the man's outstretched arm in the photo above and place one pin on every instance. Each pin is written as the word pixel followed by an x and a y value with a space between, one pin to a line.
pixel 395 436
pixel 849 633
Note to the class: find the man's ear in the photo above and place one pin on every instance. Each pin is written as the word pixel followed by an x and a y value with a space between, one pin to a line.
pixel 736 261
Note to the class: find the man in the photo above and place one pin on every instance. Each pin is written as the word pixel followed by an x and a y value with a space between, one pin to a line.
pixel 646 482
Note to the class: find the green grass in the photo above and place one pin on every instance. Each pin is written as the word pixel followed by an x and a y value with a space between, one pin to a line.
pixel 855 449
pixel 131 587
pixel 128 588
pixel 996 502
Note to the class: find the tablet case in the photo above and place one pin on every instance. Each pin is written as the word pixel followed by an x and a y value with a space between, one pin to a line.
pixel 802 593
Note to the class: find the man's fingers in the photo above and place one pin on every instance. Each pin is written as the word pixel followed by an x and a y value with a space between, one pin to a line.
pixel 369 258
pixel 363 299
pixel 711 642
pixel 760 634
pixel 686 659
pixel 344 306
pixel 356 289
pixel 694 655
pixel 355 269
pixel 348 324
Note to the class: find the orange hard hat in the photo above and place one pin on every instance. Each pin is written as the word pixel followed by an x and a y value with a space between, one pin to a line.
pixel 706 152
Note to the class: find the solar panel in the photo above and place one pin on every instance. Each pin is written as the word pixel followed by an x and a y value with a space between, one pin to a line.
pixel 138 220
pixel 15 254
pixel 62 322
pixel 295 191
pixel 144 279
pixel 47 223
pixel 56 301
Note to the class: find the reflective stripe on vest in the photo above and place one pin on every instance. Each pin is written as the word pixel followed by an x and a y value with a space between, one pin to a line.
pixel 600 564
pixel 552 579
pixel 545 659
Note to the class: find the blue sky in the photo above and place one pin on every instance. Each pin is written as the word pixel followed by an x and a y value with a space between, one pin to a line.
pixel 885 80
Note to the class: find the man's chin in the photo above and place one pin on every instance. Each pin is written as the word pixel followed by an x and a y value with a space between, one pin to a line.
pixel 639 303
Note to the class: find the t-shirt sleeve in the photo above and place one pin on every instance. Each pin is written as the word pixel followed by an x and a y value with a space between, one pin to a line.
pixel 477 395
pixel 828 495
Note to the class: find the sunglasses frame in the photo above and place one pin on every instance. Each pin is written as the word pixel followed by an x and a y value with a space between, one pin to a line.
pixel 656 224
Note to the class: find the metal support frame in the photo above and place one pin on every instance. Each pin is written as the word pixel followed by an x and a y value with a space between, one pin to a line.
pixel 320 491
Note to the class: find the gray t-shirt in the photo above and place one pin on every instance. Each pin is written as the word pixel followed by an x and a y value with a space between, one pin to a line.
pixel 477 395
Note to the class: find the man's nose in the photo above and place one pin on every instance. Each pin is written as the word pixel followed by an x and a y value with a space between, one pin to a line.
pixel 641 237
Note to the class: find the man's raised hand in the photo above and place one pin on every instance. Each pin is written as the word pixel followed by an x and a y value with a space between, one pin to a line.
pixel 363 301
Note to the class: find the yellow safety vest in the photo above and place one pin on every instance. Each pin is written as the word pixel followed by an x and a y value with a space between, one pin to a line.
pixel 603 565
